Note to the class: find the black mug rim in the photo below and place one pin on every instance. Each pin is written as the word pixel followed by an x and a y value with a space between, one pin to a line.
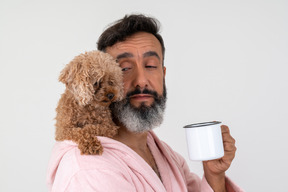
pixel 194 125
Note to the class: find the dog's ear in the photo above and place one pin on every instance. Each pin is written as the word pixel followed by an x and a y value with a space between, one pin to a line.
pixel 67 75
pixel 64 75
pixel 77 76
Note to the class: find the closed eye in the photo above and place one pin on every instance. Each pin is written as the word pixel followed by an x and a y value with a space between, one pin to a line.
pixel 96 86
pixel 152 63
pixel 110 83
pixel 150 66
pixel 125 69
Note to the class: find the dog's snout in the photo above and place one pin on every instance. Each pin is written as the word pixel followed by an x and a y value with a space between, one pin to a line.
pixel 110 96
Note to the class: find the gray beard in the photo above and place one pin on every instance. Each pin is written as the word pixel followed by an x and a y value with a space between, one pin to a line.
pixel 143 118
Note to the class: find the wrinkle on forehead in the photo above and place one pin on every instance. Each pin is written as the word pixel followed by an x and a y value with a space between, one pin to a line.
pixel 139 40
pixel 137 44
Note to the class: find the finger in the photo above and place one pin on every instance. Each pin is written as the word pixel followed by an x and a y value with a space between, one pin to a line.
pixel 229 152
pixel 227 160
pixel 227 138
pixel 225 129
pixel 229 147
pixel 229 155
pixel 228 143
pixel 226 134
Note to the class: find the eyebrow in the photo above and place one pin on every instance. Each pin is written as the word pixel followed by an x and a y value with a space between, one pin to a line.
pixel 150 54
pixel 129 55
pixel 124 55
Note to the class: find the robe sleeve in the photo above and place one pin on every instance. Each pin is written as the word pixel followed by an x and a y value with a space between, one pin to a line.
pixel 195 184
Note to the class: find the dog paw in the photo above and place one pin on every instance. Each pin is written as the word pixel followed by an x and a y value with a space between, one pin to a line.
pixel 93 147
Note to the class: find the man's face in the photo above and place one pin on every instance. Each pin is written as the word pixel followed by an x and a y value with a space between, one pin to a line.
pixel 140 57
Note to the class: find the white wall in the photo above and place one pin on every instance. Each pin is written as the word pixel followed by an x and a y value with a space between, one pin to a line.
pixel 226 60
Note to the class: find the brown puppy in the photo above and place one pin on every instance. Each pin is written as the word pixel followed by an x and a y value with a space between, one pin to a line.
pixel 93 80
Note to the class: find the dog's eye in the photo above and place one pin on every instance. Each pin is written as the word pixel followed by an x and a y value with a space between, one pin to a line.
pixel 96 87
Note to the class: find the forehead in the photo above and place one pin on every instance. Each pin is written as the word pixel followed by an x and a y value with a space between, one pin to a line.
pixel 140 41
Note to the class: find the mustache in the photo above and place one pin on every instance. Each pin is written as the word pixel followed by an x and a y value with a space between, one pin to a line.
pixel 144 91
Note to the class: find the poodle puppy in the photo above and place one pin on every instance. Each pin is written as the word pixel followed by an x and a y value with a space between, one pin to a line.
pixel 93 81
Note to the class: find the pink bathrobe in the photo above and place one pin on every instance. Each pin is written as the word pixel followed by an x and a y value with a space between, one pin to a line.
pixel 121 169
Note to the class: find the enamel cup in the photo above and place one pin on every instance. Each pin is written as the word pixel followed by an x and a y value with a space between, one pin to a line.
pixel 204 141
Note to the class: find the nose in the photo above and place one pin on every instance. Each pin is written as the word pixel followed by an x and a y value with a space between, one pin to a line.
pixel 110 96
pixel 140 79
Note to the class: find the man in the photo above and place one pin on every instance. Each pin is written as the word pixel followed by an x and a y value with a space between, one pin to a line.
pixel 135 159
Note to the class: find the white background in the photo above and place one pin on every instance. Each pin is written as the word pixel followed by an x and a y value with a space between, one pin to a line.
pixel 226 60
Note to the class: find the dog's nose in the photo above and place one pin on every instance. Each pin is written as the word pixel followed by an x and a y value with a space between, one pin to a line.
pixel 110 96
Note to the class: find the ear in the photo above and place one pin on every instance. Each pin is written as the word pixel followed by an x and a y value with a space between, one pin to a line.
pixel 82 87
pixel 76 77
pixel 164 71
pixel 82 91
pixel 64 75
pixel 70 71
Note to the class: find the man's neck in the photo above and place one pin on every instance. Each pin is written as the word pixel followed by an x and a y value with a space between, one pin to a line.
pixel 136 141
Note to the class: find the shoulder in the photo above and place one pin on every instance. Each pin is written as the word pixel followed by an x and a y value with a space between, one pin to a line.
pixel 73 158
pixel 68 167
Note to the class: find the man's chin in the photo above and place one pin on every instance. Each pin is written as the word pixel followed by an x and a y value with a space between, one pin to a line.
pixel 140 113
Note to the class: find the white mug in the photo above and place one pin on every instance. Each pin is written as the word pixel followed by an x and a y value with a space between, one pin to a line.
pixel 204 141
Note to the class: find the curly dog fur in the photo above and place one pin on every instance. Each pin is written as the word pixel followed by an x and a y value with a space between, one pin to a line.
pixel 93 80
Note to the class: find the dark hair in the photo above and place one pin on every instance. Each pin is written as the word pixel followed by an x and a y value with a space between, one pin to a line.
pixel 128 26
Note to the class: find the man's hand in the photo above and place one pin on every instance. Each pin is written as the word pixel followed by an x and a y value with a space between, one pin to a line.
pixel 214 170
